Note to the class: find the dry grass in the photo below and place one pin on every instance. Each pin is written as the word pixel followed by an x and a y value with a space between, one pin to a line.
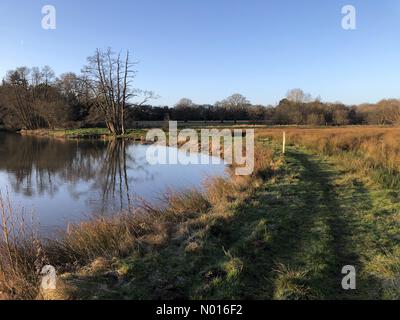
pixel 133 231
pixel 21 254
pixel 127 232
pixel 375 150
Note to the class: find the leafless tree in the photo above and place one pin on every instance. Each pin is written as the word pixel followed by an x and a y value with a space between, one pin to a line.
pixel 236 105
pixel 340 117
pixel 109 77
pixel 298 95
pixel 20 97
pixel 390 111
pixel 236 102
pixel 184 103
pixel 31 99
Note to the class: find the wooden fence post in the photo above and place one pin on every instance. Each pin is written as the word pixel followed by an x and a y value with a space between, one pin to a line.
pixel 284 143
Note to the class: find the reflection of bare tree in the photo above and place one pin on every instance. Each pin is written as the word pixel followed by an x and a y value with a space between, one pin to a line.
pixel 113 178
pixel 31 163
pixel 115 173
pixel 38 166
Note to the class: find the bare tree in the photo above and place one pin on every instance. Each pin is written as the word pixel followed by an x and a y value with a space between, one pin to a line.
pixel 236 105
pixel 298 95
pixel 389 110
pixel 69 85
pixel 184 103
pixel 31 99
pixel 48 75
pixel 236 102
pixel 108 77
pixel 340 117
pixel 20 98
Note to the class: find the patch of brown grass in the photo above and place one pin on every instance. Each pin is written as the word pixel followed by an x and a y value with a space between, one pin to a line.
pixel 21 254
pixel 370 147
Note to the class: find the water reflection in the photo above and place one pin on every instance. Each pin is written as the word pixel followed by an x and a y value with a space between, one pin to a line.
pixel 64 180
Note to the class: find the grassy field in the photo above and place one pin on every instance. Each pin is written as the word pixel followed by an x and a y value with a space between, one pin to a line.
pixel 283 233
pixel 373 151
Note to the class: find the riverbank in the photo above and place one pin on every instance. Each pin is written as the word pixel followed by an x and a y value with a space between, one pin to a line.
pixel 86 133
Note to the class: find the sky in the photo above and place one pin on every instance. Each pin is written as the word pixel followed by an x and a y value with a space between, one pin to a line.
pixel 206 50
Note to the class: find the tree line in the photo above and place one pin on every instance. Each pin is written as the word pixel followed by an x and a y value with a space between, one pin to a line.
pixel 34 98
pixel 103 94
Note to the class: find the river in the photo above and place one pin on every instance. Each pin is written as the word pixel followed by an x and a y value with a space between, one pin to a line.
pixel 62 181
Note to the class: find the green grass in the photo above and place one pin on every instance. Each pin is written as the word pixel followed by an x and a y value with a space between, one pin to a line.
pixel 86 133
pixel 286 238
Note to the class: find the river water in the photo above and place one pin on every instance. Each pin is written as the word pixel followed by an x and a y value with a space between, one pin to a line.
pixel 63 181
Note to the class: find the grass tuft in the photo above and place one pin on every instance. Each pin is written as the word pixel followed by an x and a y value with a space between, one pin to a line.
pixel 291 284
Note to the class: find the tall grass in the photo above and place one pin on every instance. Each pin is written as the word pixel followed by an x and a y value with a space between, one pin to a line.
pixel 133 231
pixel 374 150
pixel 127 232
pixel 21 254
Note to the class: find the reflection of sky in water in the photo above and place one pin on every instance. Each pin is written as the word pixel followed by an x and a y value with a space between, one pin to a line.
pixel 68 180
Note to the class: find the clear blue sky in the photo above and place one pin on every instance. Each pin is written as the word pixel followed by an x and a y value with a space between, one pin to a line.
pixel 208 49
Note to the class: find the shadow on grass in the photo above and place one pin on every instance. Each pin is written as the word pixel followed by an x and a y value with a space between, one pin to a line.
pixel 290 240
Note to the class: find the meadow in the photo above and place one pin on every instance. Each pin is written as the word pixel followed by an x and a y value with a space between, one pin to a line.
pixel 374 150
pixel 283 233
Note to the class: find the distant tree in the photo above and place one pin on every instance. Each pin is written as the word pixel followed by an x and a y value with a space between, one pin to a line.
pixel 184 103
pixel 31 100
pixel 316 119
pixel 389 110
pixel 76 95
pixel 69 85
pixel 3 109
pixel 236 101
pixel 235 105
pixel 256 112
pixel 365 113
pixel 220 112
pixel 289 112
pixel 48 75
pixel 185 110
pixel 298 95
pixel 384 112
pixel 340 116
pixel 281 112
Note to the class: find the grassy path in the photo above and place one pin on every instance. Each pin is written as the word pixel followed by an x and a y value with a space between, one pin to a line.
pixel 312 220
pixel 288 240
pixel 294 235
